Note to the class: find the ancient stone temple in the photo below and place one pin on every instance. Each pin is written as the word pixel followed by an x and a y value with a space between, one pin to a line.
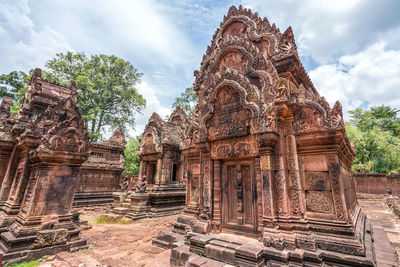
pixel 267 162
pixel 161 169
pixel 49 144
pixel 100 175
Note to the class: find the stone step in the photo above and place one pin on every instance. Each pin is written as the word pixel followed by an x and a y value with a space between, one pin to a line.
pixel 120 210
pixel 199 261
pixel 166 238
pixel 228 249
pixel 136 216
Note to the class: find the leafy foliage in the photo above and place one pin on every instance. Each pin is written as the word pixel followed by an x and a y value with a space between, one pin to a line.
pixel 132 159
pixel 106 85
pixel 14 85
pixel 105 219
pixel 187 101
pixel 376 137
pixel 32 263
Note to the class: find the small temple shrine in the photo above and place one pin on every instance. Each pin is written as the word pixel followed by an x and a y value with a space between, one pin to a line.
pixel 48 142
pixel 161 170
pixel 47 165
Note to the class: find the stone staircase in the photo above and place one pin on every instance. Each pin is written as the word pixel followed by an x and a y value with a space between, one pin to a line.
pixel 87 199
pixel 193 246
pixel 218 250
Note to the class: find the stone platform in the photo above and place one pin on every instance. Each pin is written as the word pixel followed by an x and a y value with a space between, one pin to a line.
pixel 192 248
pixel 86 199
pixel 163 200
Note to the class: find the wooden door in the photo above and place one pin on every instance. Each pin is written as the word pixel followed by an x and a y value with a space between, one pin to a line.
pixel 239 197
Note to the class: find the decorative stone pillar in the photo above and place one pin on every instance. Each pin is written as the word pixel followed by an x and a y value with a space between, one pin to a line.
pixel 297 205
pixel 337 187
pixel 205 188
pixel 12 206
pixel 9 176
pixel 266 159
pixel 6 152
pixel 217 213
pixel 159 170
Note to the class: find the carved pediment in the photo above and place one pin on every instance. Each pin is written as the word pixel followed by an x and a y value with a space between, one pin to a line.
pixel 61 128
pixel 179 117
pixel 148 145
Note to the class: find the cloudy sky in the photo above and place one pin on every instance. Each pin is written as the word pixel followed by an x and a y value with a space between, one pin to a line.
pixel 350 48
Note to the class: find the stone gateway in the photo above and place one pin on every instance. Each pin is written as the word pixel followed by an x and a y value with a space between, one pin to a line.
pixel 267 161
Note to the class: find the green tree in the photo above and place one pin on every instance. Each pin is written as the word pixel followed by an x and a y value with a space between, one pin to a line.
pixel 187 101
pixel 383 117
pixel 376 139
pixel 132 159
pixel 14 85
pixel 106 86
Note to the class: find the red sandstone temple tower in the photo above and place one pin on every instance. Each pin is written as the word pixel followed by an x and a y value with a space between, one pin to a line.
pixel 268 163
pixel 50 143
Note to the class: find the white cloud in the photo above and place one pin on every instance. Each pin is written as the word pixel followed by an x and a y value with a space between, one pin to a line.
pixel 327 29
pixel 368 78
pixel 153 104
pixel 21 46
pixel 128 28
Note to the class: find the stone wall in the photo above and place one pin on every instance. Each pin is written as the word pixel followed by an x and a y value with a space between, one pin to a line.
pixel 377 183
pixel 101 174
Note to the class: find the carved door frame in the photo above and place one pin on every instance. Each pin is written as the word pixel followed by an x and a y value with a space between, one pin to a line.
pixel 241 227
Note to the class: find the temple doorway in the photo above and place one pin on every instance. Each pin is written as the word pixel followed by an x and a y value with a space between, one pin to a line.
pixel 239 197
pixel 151 172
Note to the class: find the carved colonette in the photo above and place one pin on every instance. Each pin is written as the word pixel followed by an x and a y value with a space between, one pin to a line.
pixel 266 158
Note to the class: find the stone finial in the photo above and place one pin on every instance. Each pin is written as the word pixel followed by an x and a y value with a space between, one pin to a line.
pixel 6 103
pixel 37 74
pixel 118 136
pixel 5 107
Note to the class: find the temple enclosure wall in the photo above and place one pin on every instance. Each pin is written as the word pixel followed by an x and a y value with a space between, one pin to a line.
pixel 101 175
pixel 377 183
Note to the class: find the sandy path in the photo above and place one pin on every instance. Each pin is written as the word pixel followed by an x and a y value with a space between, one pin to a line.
pixel 118 245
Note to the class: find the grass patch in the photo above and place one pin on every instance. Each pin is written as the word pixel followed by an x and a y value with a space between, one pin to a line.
pixel 25 264
pixel 104 219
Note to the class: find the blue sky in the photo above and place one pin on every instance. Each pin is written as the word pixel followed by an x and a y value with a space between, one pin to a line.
pixel 351 49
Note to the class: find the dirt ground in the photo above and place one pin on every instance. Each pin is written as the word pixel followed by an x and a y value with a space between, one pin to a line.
pixel 130 244
pixel 117 245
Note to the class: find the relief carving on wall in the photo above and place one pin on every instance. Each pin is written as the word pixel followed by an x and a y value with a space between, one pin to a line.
pixel 240 147
pixel 334 173
pixel 148 146
pixel 61 128
pixel 233 60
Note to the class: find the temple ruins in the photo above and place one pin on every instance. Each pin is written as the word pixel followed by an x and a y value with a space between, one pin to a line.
pixel 161 168
pixel 267 162
pixel 260 175
pixel 49 144
pixel 46 156
pixel 100 176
